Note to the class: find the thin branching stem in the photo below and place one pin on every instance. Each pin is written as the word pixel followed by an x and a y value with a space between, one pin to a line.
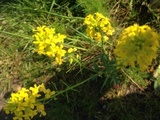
pixel 132 80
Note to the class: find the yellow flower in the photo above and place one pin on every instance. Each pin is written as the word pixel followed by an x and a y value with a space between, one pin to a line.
pixel 48 93
pixel 70 50
pixel 137 46
pixel 40 108
pixel 30 101
pixel 25 103
pixel 98 27
pixel 98 36
pixel 48 43
pixel 90 20
pixel 35 90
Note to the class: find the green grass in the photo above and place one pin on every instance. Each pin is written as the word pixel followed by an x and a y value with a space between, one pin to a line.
pixel 92 88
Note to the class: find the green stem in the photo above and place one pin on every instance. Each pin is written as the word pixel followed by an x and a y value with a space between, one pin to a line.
pixel 150 10
pixel 83 35
pixel 70 88
pixel 16 35
pixel 53 3
pixel 62 16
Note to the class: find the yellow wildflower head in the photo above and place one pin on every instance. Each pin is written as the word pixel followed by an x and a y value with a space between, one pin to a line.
pixel 98 27
pixel 137 45
pixel 48 43
pixel 25 103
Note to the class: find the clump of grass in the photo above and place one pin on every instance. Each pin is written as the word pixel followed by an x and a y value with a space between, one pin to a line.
pixel 90 7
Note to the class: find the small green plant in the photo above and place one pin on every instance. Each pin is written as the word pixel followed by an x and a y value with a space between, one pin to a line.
pixel 93 6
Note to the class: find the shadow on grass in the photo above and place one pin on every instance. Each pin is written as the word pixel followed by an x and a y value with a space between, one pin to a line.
pixel 85 103
pixel 132 107
pixel 88 106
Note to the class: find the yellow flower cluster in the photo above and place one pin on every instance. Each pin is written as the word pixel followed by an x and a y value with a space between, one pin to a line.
pixel 137 46
pixel 48 43
pixel 98 27
pixel 25 105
